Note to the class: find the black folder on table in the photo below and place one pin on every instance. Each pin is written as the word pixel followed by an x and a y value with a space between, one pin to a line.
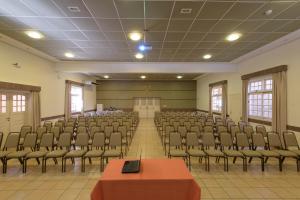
pixel 131 166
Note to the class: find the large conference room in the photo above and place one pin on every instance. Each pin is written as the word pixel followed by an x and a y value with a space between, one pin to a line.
pixel 149 99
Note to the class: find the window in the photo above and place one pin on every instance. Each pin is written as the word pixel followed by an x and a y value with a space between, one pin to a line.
pixel 3 103
pixel 19 103
pixel 260 98
pixel 216 98
pixel 76 99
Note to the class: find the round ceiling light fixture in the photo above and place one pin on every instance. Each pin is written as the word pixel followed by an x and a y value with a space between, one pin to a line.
pixel 139 56
pixel 34 34
pixel 135 36
pixel 143 77
pixel 69 55
pixel 207 56
pixel 233 36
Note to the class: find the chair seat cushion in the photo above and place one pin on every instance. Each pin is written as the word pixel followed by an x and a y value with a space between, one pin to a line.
pixel 3 153
pixel 112 153
pixel 196 152
pixel 233 153
pixel 268 153
pixel 94 153
pixel 178 153
pixel 75 153
pixel 214 152
pixel 296 151
pixel 251 153
pixel 36 154
pixel 18 154
pixel 56 154
pixel 286 153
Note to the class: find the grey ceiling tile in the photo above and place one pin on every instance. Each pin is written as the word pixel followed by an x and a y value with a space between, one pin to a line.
pixel 13 23
pixel 158 9
pixel 156 24
pixel 242 10
pixel 214 10
pixel 225 26
pixel 171 44
pixel 251 37
pixel 94 35
pixel 133 24
pixel 291 13
pixel 130 9
pixel 75 35
pixel 15 8
pixel 195 6
pixel 43 8
pixel 183 51
pixel 174 36
pixel 85 23
pixel 168 51
pixel 271 26
pixel 290 27
pixel 36 23
pixel 205 45
pixel 61 24
pixel 92 44
pixel 102 8
pixel 221 45
pixel 54 35
pixel 193 36
pixel 271 37
pixel 118 44
pixel 109 24
pixel 203 25
pixel 179 25
pixel 215 37
pixel 155 45
pixel 188 44
pixel 64 4
pixel 155 36
pixel 56 44
pixel 248 26
pixel 275 6
pixel 115 36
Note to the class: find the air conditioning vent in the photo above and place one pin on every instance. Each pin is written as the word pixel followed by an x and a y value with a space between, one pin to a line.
pixel 186 11
pixel 73 9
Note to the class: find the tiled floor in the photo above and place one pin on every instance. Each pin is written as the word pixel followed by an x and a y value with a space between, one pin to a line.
pixel 215 184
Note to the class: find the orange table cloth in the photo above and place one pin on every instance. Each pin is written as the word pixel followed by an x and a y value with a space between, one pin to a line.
pixel 158 179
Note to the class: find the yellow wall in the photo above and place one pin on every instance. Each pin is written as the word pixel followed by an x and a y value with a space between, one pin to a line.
pixel 40 72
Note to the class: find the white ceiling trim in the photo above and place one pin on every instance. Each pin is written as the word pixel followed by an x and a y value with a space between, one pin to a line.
pixel 268 47
pixel 142 67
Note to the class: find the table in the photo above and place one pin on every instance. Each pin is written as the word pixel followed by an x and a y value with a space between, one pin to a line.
pixel 158 179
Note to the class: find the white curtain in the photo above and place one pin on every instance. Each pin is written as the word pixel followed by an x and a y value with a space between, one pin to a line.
pixel 279 108
pixel 68 100
pixel 34 109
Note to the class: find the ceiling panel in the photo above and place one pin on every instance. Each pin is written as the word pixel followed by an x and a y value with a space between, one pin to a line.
pixel 100 30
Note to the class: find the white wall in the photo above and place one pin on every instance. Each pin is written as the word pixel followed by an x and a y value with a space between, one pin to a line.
pixel 41 72
pixel 287 54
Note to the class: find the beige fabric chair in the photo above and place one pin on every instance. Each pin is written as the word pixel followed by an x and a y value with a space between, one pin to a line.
pixel 23 132
pixel 208 143
pixel 45 146
pixel 123 131
pixel 108 130
pixel 115 149
pixel 97 149
pixel 115 125
pixel 242 143
pixel 82 141
pixel 290 142
pixel 40 130
pixel 227 148
pixel 63 142
pixel 29 145
pixel 48 125
pixel 193 147
pixel 11 144
pixel 175 147
pixel 260 146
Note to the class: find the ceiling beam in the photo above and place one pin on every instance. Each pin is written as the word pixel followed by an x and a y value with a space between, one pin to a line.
pixel 143 67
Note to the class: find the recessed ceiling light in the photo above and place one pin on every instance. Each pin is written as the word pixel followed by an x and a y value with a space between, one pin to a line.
pixel 185 10
pixel 139 56
pixel 69 55
pixel 143 77
pixel 268 12
pixel 135 36
pixel 179 77
pixel 233 36
pixel 106 76
pixel 34 34
pixel 207 56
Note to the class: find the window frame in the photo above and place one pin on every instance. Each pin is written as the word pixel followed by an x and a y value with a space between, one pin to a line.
pixel 72 95
pixel 261 91
pixel 19 103
pixel 219 97
pixel 2 100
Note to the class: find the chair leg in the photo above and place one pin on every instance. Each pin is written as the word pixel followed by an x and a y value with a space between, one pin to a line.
pixel 280 164
pixel 208 163
pixel 62 164
pixel 44 164
pixel 262 164
pixel 82 164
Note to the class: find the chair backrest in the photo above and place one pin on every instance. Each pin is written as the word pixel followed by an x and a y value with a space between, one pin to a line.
pixel 40 130
pixel 208 139
pixel 248 130
pixel 64 140
pixel 115 125
pixel 174 139
pixel 81 129
pixel 192 139
pixel 196 129
pixel 176 125
pixel 242 140
pixel 182 131
pixel 30 140
pixel 122 130
pixel 258 140
pixel 290 139
pixel 82 140
pixel 226 139
pixel 208 129
pixel 115 139
pixel 56 131
pixel 24 130
pixel 187 124
pixel 234 130
pixel 222 129
pixel 99 139
pixel 103 125
pixel 262 130
pixel 48 125
pixel 241 125
pixel 69 129
pixel 12 141
pixel 93 130
pixel 47 140
pixel 274 140
pixel 108 130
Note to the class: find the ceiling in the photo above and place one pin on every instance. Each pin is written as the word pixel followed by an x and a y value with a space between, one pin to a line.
pixel 99 32
pixel 149 76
